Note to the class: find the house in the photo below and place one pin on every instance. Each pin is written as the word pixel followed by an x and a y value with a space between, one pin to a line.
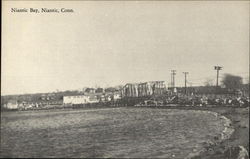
pixel 108 97
pixel 90 90
pixel 76 99
pixel 12 104
pixel 101 97
pixel 99 90
pixel 93 99
pixel 80 99
pixel 117 96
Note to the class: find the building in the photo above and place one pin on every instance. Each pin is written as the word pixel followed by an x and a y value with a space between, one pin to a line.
pixel 80 99
pixel 90 90
pixel 116 96
pixel 93 98
pixel 130 90
pixel 101 97
pixel 144 89
pixel 76 99
pixel 12 104
pixel 159 87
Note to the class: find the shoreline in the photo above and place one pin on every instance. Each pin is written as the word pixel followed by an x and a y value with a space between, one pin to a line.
pixel 233 146
pixel 224 135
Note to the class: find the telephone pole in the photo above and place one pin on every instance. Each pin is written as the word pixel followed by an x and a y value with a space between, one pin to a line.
pixel 171 83
pixel 185 73
pixel 173 73
pixel 218 68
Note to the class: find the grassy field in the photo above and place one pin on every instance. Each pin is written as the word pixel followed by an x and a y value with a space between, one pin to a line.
pixel 110 132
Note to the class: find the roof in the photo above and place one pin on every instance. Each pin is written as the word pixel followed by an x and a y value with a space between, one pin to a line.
pixel 12 101
pixel 145 82
pixel 75 94
pixel 91 97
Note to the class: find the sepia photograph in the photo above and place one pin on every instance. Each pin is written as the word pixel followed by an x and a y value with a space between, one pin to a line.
pixel 125 79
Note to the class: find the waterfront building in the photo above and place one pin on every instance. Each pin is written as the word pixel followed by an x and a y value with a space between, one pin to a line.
pixel 143 89
pixel 80 99
pixel 76 99
pixel 12 104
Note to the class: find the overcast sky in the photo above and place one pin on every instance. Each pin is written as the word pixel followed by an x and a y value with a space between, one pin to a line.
pixel 111 43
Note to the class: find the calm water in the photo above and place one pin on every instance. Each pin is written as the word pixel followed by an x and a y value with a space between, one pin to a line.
pixel 112 132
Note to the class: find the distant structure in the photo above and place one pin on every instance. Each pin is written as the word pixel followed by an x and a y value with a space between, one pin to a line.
pixel 218 68
pixel 91 98
pixel 185 73
pixel 12 104
pixel 173 73
pixel 143 89
pixel 79 99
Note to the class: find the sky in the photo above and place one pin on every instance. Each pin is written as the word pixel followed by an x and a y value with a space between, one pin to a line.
pixel 108 43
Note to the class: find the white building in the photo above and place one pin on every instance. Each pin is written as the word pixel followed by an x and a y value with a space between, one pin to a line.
pixel 12 104
pixel 117 96
pixel 76 99
pixel 80 99
pixel 93 99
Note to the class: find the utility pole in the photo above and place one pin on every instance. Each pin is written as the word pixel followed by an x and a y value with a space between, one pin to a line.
pixel 218 68
pixel 171 83
pixel 173 74
pixel 185 73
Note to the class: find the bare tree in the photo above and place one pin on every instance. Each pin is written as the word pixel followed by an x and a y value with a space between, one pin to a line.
pixel 208 82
